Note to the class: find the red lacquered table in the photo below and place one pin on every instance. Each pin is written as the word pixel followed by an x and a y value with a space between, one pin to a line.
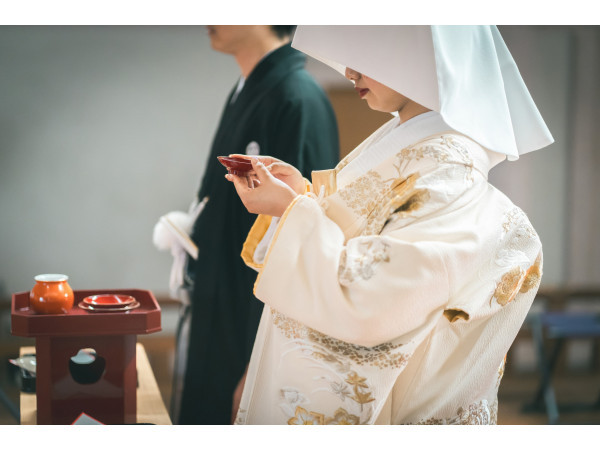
pixel 112 335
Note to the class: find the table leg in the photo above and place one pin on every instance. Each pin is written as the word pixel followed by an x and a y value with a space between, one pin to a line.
pixel 545 393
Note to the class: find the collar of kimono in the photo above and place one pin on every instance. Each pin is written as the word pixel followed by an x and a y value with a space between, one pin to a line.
pixel 394 136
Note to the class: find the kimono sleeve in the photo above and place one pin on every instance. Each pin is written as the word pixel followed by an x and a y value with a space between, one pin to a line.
pixel 366 291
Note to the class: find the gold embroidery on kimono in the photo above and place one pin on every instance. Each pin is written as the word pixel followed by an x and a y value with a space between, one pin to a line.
pixel 383 355
pixel 363 193
pixel 402 198
pixel 303 417
pixel 517 281
pixel 442 150
pixel 352 390
pixel 479 413
pixel 437 153
pixel 509 285
pixel 342 417
pixel 533 277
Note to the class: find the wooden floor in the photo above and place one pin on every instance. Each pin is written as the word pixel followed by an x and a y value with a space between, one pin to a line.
pixel 572 389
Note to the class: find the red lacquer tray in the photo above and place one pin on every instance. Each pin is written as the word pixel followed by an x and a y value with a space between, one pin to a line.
pixel 142 320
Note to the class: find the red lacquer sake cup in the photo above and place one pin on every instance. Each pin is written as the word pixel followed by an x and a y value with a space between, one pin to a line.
pixel 235 165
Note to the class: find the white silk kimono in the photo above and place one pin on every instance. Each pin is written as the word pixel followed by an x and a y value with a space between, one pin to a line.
pixel 394 290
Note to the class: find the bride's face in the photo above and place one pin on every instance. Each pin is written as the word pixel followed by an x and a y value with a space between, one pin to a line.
pixel 378 96
pixel 382 98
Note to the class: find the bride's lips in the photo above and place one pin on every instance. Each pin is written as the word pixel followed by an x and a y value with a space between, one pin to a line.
pixel 361 91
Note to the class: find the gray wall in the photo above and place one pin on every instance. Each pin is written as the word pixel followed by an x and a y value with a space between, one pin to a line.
pixel 104 129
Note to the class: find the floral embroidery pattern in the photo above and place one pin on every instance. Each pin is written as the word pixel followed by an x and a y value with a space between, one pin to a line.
pixel 358 398
pixel 361 262
pixel 516 217
pixel 517 281
pixel 352 389
pixel 342 417
pixel 303 417
pixel 384 355
pixel 475 414
pixel 384 201
pixel 479 413
pixel 356 401
pixel 452 143
pixel 445 151
pixel 363 193
pixel 448 150
pixel 533 277
pixel 508 287
pixel 359 386
pixel 291 399
pixel 340 389
pixel 401 199
pixel 435 152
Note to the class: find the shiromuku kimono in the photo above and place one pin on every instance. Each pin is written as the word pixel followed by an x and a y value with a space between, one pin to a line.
pixel 395 286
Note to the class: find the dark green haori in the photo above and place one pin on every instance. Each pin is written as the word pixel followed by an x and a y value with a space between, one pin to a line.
pixel 282 112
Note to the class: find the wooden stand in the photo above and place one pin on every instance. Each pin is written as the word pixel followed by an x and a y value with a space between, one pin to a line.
pixel 150 406
pixel 106 389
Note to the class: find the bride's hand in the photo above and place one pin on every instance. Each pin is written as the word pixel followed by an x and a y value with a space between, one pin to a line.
pixel 280 170
pixel 269 195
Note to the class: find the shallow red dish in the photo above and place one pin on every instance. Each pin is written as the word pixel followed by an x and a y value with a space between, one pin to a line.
pixel 108 300
pixel 236 166
pixel 107 308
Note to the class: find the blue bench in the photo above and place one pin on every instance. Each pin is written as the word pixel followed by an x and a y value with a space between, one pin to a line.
pixel 555 328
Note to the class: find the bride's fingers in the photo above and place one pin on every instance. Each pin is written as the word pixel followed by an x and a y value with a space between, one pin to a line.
pixel 262 173
pixel 250 181
pixel 241 184
pixel 266 160
pixel 278 167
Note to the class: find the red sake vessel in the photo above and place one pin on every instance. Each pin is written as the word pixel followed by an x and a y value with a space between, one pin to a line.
pixel 105 390
pixel 236 165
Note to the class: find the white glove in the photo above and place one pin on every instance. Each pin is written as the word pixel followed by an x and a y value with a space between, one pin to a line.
pixel 164 238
